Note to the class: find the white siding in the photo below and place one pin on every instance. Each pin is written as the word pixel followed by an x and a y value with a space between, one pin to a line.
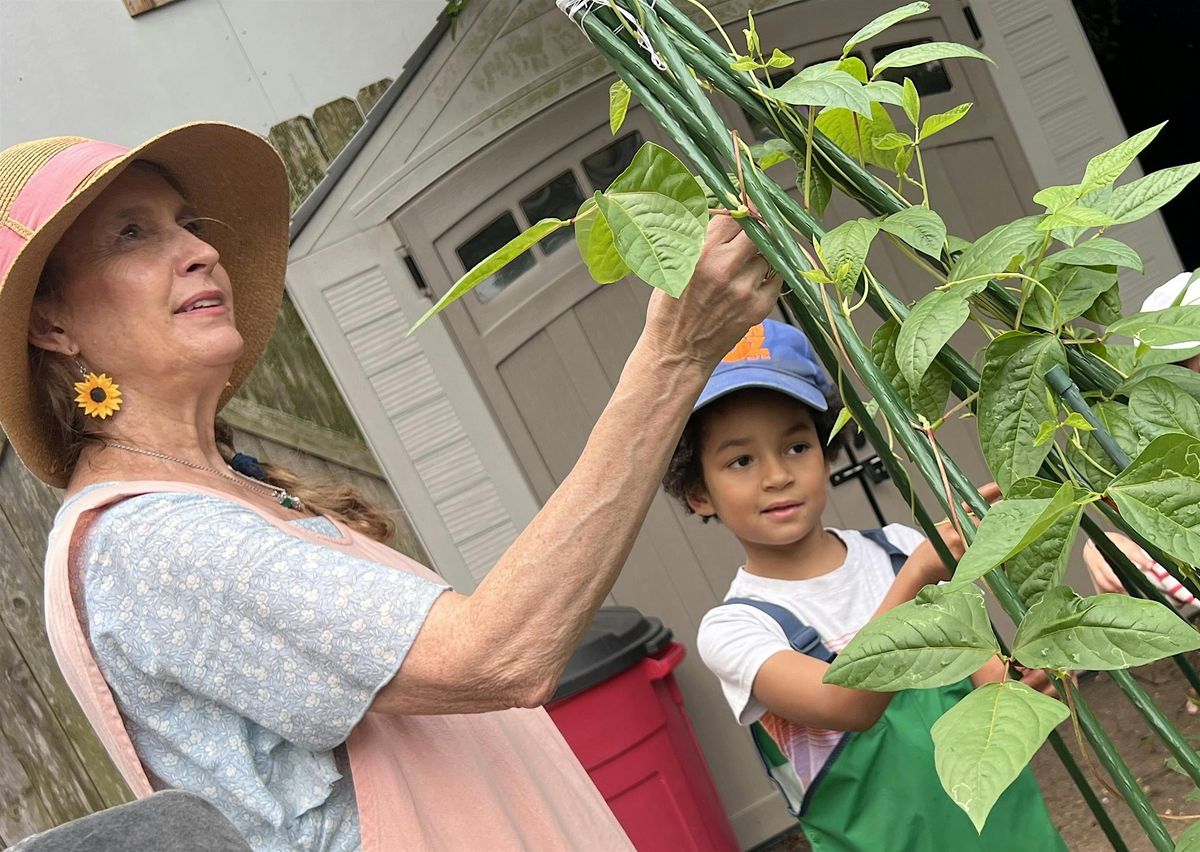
pixel 416 404
pixel 85 67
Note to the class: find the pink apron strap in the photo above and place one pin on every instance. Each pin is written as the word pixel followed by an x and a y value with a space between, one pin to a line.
pixel 64 626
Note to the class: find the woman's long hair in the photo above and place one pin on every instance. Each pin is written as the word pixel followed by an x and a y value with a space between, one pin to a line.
pixel 53 378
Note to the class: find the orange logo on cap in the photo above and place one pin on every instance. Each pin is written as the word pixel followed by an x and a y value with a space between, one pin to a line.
pixel 750 347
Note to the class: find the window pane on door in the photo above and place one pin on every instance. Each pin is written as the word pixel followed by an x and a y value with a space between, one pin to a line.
pixel 486 241
pixel 603 167
pixel 560 198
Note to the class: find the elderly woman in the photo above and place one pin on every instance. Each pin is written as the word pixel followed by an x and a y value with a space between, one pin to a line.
pixel 242 635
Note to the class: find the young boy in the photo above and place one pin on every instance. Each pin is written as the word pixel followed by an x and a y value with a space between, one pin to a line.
pixel 855 766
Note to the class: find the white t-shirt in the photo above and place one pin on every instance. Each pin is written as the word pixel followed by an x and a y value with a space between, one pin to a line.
pixel 736 640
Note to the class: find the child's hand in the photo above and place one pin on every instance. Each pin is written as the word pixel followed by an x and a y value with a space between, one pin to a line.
pixel 925 558
pixel 1103 577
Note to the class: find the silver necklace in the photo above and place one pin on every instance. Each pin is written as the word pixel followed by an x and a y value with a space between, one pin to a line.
pixel 280 495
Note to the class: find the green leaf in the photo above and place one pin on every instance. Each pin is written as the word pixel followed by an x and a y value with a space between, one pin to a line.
pixel 1075 420
pixel 1014 401
pixel 938 638
pixel 982 743
pixel 883 22
pixel 655 169
pixel 839 126
pixel 753 45
pixel 844 417
pixel 891 141
pixel 1009 527
pixel 1183 378
pixel 491 264
pixel 772 152
pixel 1180 324
pixel 920 227
pixel 1057 197
pixel 1074 290
pixel 930 324
pixel 774 158
pixel 937 123
pixel 817 276
pixel 595 241
pixel 1107 307
pixel 1189 841
pixel 911 101
pixel 885 92
pixel 1117 422
pixel 745 63
pixel 1152 356
pixel 1106 167
pixel 1156 406
pixel 1075 216
pixel 1063 631
pixel 957 245
pixel 853 66
pixel 919 54
pixel 1045 433
pixel 779 59
pixel 996 250
pixel 1121 357
pixel 658 237
pixel 1141 197
pixel 618 105
pixel 1159 495
pixel 1100 251
pixel 929 399
pixel 847 246
pixel 820 189
pixel 824 88
pixel 1043 563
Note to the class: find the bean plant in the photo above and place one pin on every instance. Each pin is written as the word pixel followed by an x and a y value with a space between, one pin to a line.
pixel 1081 412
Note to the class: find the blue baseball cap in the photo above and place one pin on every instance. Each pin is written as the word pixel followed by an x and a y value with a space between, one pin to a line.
pixel 775 356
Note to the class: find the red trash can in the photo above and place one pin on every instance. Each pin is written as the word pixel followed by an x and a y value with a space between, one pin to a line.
pixel 619 709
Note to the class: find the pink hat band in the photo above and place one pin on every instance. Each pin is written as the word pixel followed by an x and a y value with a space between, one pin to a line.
pixel 46 191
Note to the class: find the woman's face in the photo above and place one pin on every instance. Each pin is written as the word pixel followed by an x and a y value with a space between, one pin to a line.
pixel 142 296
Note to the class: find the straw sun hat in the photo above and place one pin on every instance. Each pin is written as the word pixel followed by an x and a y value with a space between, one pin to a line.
pixel 225 172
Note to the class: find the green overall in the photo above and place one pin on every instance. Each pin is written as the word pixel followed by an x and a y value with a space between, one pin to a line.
pixel 879 792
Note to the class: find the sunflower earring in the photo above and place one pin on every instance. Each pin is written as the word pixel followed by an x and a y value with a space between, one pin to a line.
pixel 99 396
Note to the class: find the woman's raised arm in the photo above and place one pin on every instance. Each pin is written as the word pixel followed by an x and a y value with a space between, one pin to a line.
pixel 506 644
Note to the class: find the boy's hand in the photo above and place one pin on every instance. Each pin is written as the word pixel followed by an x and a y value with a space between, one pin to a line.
pixel 925 558
pixel 1103 577
pixel 1041 681
pixel 926 561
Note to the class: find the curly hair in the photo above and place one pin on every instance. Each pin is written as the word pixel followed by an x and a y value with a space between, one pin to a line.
pixel 685 474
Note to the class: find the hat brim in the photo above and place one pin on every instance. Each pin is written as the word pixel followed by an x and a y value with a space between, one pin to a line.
pixel 753 375
pixel 227 173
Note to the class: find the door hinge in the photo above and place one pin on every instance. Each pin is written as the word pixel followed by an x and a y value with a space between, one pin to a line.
pixel 415 271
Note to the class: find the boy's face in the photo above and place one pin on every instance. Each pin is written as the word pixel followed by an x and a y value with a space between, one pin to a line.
pixel 765 475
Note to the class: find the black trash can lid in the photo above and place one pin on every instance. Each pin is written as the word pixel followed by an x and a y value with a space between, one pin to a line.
pixel 618 638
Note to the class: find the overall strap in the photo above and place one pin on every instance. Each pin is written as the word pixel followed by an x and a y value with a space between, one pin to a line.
pixel 898 556
pixel 800 636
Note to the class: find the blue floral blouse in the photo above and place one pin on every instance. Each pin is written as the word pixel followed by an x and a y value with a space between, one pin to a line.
pixel 241 657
